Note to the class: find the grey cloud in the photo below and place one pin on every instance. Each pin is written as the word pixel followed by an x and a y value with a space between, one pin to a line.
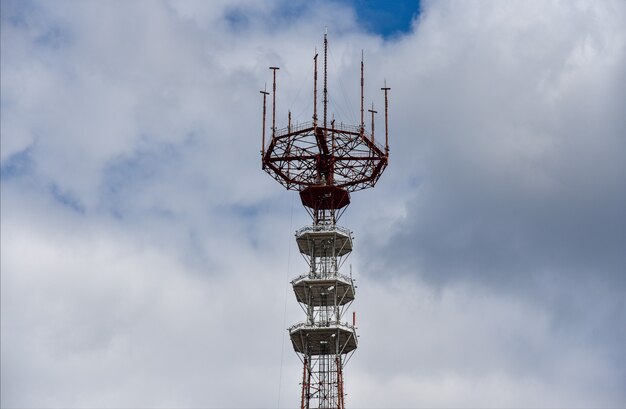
pixel 509 156
pixel 521 158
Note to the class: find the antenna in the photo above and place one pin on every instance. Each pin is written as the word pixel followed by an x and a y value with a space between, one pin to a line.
pixel 373 112
pixel 386 88
pixel 362 83
pixel 315 91
pixel 325 78
pixel 265 94
pixel 274 103
pixel 289 146
pixel 333 146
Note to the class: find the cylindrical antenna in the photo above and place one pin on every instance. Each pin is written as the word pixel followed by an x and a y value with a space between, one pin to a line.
pixel 315 91
pixel 362 83
pixel 325 78
pixel 386 125
pixel 373 112
pixel 265 94
pixel 274 103
pixel 288 147
pixel 332 152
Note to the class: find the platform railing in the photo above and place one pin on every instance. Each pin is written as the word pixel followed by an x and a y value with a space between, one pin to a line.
pixel 322 276
pixel 327 324
pixel 338 127
pixel 323 228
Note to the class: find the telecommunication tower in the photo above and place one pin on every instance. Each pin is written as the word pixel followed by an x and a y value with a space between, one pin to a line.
pixel 324 162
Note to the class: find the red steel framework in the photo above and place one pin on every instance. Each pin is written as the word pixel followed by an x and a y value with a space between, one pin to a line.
pixel 324 163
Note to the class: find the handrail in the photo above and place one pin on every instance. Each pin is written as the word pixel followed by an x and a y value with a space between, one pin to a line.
pixel 338 127
pixel 329 324
pixel 323 228
pixel 293 128
pixel 322 277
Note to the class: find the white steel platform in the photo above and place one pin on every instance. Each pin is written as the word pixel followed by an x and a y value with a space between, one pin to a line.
pixel 337 290
pixel 319 339
pixel 324 241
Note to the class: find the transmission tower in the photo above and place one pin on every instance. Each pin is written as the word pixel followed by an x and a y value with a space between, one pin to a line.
pixel 324 163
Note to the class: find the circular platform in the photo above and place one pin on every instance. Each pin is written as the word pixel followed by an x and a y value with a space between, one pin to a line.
pixel 323 340
pixel 340 155
pixel 324 241
pixel 323 292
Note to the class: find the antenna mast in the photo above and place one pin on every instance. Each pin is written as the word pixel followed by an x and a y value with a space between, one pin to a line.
pixel 373 112
pixel 315 91
pixel 265 94
pixel 325 78
pixel 362 83
pixel 386 88
pixel 274 103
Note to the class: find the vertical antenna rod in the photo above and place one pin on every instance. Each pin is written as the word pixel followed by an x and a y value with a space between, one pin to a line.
pixel 315 91
pixel 362 82
pixel 325 78
pixel 265 94
pixel 332 156
pixel 274 103
pixel 386 126
pixel 289 145
pixel 373 112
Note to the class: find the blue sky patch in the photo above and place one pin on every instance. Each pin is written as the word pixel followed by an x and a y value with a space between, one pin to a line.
pixel 386 18
pixel 16 165
pixel 67 198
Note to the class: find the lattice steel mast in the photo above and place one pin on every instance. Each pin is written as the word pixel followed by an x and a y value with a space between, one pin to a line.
pixel 324 163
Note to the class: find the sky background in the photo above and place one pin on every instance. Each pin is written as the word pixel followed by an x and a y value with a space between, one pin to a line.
pixel 146 258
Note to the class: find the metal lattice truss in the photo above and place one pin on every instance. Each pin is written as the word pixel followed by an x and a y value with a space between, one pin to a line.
pixel 308 155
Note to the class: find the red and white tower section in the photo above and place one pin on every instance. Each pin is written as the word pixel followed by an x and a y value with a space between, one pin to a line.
pixel 325 162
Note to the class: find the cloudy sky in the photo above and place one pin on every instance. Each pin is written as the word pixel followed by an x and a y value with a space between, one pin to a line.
pixel 145 256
